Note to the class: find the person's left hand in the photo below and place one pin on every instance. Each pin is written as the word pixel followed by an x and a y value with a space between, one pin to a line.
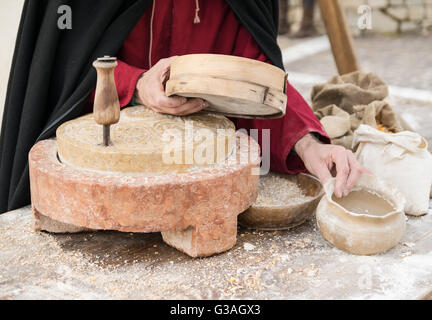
pixel 324 159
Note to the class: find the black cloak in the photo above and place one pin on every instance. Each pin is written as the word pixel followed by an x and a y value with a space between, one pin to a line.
pixel 52 76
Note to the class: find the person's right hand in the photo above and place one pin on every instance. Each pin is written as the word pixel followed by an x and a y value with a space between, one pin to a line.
pixel 323 159
pixel 150 92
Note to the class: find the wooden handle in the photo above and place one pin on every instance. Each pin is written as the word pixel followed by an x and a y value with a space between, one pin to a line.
pixel 106 108
pixel 339 36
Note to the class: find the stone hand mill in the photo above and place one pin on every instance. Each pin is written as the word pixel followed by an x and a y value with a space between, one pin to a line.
pixel 109 170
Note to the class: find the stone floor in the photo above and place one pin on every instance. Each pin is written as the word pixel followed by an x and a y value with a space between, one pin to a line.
pixel 291 264
pixel 401 61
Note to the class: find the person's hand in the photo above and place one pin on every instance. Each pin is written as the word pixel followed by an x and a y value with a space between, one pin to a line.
pixel 324 159
pixel 151 93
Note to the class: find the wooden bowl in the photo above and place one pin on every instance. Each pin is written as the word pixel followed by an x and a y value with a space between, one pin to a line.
pixel 233 86
pixel 289 215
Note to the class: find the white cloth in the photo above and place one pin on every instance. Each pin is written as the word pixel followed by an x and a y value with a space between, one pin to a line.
pixel 401 159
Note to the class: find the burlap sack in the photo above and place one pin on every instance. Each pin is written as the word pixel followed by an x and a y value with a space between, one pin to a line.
pixel 340 125
pixel 335 121
pixel 348 90
pixel 378 115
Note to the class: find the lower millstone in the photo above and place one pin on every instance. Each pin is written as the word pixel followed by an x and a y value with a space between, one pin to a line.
pixel 196 212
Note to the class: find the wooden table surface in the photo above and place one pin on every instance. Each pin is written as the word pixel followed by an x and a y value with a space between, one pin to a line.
pixel 292 264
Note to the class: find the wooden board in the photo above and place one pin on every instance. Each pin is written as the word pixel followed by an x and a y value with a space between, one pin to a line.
pixel 233 86
pixel 291 264
pixel 339 36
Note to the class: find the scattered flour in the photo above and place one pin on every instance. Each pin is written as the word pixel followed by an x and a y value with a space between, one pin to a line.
pixel 248 246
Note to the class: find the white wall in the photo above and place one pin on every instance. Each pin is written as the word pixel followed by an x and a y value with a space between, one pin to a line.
pixel 10 13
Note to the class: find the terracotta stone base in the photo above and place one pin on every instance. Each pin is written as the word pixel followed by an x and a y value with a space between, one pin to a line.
pixel 205 239
pixel 44 223
pixel 196 212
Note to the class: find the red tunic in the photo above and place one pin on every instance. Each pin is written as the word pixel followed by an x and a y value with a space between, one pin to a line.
pixel 175 33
